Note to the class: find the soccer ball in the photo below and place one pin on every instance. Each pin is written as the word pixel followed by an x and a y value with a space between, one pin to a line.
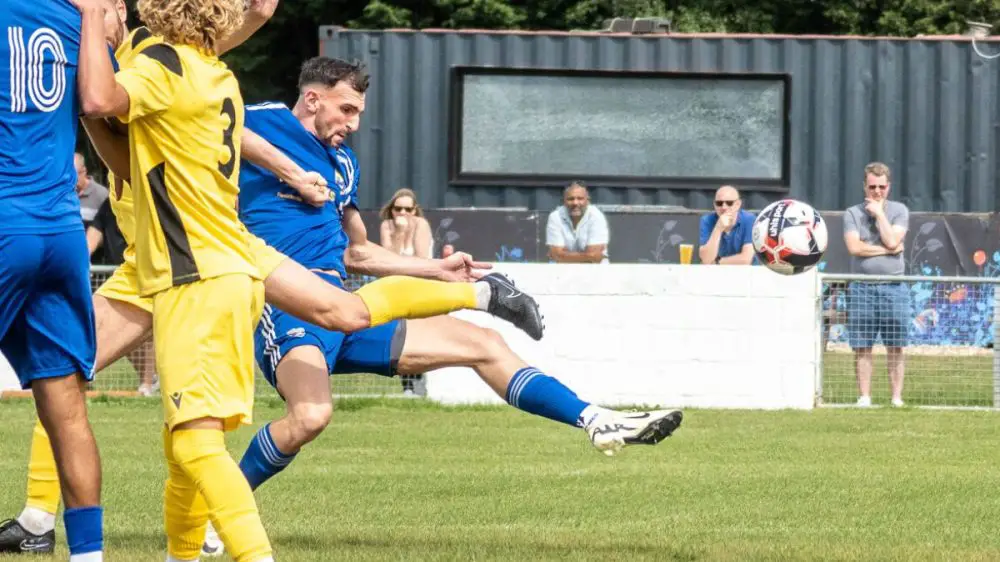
pixel 789 237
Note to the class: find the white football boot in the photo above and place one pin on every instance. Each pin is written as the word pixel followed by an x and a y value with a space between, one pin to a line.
pixel 612 431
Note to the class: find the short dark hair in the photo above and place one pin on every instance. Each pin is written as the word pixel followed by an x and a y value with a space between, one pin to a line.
pixel 328 71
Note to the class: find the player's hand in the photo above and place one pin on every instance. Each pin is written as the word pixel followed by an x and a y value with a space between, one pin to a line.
pixel 897 251
pixel 461 267
pixel 263 8
pixel 312 188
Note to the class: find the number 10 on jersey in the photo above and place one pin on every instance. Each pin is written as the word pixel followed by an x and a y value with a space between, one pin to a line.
pixel 28 70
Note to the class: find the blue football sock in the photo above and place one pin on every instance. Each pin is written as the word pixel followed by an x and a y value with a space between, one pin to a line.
pixel 262 460
pixel 84 529
pixel 537 393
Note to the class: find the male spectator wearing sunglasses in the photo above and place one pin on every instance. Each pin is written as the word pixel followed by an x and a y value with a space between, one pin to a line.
pixel 726 234
pixel 873 233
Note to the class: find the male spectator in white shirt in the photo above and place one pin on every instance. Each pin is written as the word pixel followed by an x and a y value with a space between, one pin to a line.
pixel 577 232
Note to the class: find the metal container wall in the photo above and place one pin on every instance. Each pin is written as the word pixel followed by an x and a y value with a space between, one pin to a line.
pixel 926 107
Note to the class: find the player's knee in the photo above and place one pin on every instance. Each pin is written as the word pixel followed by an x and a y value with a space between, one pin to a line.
pixel 310 420
pixel 489 343
pixel 347 315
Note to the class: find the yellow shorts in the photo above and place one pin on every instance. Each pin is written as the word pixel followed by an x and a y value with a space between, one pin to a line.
pixel 203 333
pixel 123 286
pixel 267 258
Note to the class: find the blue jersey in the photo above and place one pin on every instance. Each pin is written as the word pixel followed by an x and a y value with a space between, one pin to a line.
pixel 312 236
pixel 38 112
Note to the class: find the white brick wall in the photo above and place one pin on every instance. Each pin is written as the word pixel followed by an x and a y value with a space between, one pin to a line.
pixel 693 336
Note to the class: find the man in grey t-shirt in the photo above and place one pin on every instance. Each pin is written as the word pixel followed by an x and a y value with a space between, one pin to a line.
pixel 874 232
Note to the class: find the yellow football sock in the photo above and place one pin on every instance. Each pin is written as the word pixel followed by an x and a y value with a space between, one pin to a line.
pixel 43 480
pixel 203 457
pixel 398 296
pixel 185 513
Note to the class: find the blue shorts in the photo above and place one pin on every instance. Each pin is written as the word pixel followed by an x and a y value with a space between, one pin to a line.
pixel 375 350
pixel 46 308
pixel 878 309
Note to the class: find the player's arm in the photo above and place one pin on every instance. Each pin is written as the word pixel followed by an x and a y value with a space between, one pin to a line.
pixel 100 93
pixel 368 258
pixel 311 186
pixel 111 146
pixel 259 13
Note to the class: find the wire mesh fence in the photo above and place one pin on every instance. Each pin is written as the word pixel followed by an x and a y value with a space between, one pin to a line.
pixel 126 374
pixel 921 341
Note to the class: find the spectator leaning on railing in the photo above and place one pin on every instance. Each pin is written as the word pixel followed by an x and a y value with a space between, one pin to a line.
pixel 874 232
pixel 726 234
pixel 577 232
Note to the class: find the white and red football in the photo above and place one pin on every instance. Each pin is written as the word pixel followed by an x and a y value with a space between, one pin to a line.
pixel 789 237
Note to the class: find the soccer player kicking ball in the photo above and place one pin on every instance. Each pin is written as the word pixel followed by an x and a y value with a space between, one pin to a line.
pixel 124 317
pixel 297 357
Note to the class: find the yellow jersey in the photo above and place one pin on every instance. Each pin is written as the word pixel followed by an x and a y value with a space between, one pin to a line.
pixel 185 123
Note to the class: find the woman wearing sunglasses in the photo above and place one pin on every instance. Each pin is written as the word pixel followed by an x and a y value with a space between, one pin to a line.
pixel 404 229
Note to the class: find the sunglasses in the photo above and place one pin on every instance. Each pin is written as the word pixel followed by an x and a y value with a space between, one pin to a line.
pixel 726 203
pixel 399 209
pixel 880 187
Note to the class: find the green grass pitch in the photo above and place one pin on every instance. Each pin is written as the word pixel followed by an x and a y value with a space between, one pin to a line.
pixel 407 480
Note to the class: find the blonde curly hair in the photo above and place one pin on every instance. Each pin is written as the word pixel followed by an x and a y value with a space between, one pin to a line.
pixel 200 23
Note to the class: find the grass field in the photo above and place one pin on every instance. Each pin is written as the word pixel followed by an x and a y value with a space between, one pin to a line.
pixel 931 380
pixel 407 480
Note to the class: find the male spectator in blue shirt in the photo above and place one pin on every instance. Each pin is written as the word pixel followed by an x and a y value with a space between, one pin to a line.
pixel 726 234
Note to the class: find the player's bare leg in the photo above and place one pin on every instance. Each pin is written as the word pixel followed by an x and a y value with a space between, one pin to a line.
pixel 303 294
pixel 304 382
pixel 445 341
pixel 120 328
pixel 62 410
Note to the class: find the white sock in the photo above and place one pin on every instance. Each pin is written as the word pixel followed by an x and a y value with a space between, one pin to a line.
pixel 590 413
pixel 172 559
pixel 36 521
pixel 88 557
pixel 483 292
